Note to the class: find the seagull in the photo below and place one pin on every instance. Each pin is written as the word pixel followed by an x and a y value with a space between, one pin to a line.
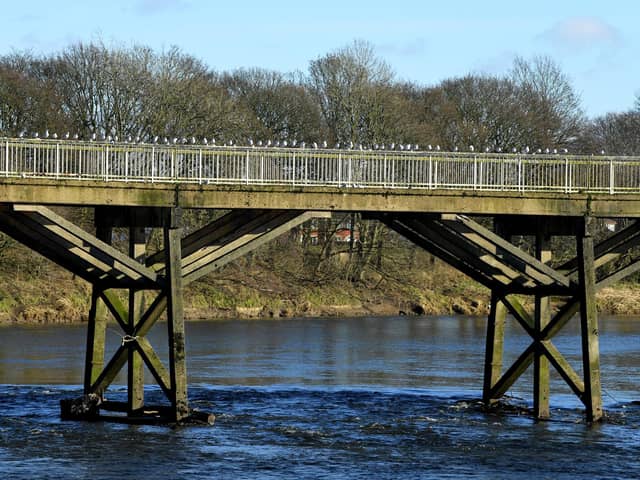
pixel 487 149
pixel 294 143
pixel 284 143
pixel 315 145
pixel 66 136
pixel 324 144
pixel 76 136
pixel 55 136
pixel 302 144
pixel 526 149
pixel 514 150
pixel 455 149
pixel 93 136
pixel 46 133
pixel 438 148
pixel 259 143
pixel 471 149
pixel 429 147
pixel 392 146
pixel 36 135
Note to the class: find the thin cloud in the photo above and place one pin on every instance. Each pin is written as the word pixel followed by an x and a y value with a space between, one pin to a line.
pixel 408 49
pixel 150 7
pixel 582 33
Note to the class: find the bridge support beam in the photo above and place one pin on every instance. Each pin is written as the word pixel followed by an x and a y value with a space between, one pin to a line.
pixel 509 273
pixel 115 275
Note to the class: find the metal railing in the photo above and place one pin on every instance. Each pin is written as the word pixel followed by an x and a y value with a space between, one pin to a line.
pixel 124 162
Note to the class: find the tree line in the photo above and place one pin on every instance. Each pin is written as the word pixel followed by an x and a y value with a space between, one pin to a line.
pixel 348 96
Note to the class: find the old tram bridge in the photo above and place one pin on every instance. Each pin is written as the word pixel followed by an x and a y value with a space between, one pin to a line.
pixel 431 198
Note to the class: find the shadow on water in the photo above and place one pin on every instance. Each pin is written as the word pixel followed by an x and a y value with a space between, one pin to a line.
pixel 338 398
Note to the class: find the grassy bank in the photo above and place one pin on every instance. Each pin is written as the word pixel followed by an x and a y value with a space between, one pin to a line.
pixel 34 291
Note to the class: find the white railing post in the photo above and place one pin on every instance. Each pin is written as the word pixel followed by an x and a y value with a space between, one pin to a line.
pixel 430 180
pixel 339 169
pixel 393 172
pixel 247 169
pixel 106 163
pixel 520 185
pixel 57 161
pixel 6 158
pixel 612 184
pixel 153 163
pixel 200 165
pixel 126 166
pixel 475 173
pixel 435 173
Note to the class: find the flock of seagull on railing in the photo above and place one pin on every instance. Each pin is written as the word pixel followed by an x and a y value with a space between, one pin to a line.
pixel 157 140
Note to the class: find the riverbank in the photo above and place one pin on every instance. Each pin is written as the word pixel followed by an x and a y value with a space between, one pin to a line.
pixel 57 297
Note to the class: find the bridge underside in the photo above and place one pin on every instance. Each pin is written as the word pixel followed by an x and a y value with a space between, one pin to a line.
pixel 487 256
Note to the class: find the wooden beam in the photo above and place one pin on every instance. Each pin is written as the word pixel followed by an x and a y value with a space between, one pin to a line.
pixel 427 242
pixel 175 323
pixel 520 314
pixel 135 363
pixel 204 262
pixel 542 316
pixel 609 249
pixel 497 245
pixel 96 336
pixel 117 309
pixel 589 325
pixel 513 373
pixel 494 347
pixel 154 364
pixel 84 241
pixel 563 367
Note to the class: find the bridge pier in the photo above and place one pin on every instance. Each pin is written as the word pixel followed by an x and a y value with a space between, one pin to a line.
pixel 114 275
pixel 510 273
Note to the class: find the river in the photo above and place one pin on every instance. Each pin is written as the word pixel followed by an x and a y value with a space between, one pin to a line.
pixel 375 398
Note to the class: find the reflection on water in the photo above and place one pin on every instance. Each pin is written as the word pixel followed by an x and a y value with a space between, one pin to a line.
pixel 331 398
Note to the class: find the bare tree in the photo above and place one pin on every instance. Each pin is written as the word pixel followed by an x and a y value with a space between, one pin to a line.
pixel 281 103
pixel 103 89
pixel 615 133
pixel 27 100
pixel 551 103
pixel 350 85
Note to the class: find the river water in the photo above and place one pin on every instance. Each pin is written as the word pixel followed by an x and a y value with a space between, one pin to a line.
pixel 371 398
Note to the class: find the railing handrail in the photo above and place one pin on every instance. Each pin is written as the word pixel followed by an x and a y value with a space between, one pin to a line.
pixel 198 163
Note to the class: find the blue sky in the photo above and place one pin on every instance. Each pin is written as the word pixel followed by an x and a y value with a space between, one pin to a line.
pixel 597 43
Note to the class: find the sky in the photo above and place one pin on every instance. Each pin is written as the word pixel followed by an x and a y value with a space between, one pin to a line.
pixel 596 43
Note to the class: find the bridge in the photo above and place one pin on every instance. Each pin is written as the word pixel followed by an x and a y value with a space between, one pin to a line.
pixel 430 197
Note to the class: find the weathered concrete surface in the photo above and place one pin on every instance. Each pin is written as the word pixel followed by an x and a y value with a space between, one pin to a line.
pixel 91 193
